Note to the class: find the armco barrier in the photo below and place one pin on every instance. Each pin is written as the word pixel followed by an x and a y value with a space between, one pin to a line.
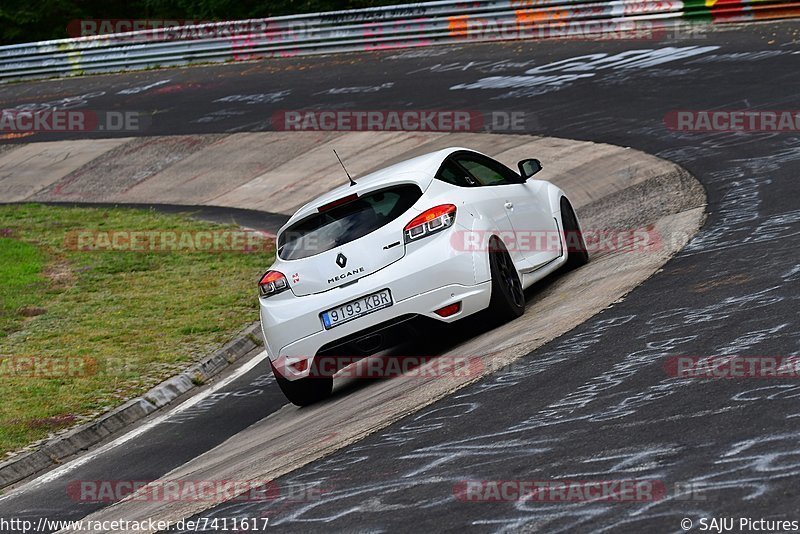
pixel 376 28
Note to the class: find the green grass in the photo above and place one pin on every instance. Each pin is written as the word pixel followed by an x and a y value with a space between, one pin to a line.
pixel 21 265
pixel 128 320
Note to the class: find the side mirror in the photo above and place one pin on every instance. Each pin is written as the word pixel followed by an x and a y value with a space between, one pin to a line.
pixel 529 167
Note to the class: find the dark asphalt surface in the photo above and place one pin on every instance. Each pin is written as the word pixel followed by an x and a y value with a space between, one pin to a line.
pixel 595 404
pixel 256 220
pixel 177 440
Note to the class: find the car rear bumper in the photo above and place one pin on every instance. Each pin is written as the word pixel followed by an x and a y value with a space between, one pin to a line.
pixel 432 274
pixel 473 298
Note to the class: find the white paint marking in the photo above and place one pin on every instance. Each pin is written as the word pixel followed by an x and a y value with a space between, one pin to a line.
pixel 142 88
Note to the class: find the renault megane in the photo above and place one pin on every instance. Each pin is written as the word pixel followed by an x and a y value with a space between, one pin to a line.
pixel 438 236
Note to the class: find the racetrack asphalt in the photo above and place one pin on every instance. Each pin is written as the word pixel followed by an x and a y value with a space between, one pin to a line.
pixel 596 403
pixel 256 220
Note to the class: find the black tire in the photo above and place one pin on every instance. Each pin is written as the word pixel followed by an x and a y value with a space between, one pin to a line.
pixel 305 391
pixel 577 254
pixel 508 299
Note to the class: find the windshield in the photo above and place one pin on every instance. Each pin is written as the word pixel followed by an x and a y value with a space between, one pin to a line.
pixel 347 222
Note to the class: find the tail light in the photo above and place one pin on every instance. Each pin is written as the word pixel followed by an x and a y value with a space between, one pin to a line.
pixel 429 222
pixel 272 283
pixel 447 311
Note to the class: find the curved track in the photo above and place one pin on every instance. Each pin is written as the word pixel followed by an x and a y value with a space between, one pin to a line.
pixel 595 403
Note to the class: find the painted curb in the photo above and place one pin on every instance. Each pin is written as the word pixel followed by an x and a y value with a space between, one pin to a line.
pixel 82 437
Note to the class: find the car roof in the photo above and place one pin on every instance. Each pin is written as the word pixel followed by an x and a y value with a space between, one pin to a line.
pixel 419 170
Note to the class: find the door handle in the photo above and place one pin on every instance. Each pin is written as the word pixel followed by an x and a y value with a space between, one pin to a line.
pixel 509 205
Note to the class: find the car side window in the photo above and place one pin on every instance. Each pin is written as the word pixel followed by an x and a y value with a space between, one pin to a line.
pixel 488 172
pixel 455 175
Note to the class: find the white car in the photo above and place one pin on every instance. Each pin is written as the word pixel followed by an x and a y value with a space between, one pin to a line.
pixel 440 236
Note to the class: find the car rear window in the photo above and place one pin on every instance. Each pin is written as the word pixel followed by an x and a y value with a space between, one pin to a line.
pixel 346 222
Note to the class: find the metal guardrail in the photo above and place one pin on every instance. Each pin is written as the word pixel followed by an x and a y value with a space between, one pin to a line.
pixel 379 28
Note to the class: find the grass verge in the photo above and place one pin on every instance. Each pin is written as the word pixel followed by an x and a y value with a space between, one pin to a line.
pixel 83 331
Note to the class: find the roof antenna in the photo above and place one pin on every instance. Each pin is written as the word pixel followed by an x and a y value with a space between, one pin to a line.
pixel 352 182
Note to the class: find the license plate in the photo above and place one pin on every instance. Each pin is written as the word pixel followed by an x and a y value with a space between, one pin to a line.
pixel 356 308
